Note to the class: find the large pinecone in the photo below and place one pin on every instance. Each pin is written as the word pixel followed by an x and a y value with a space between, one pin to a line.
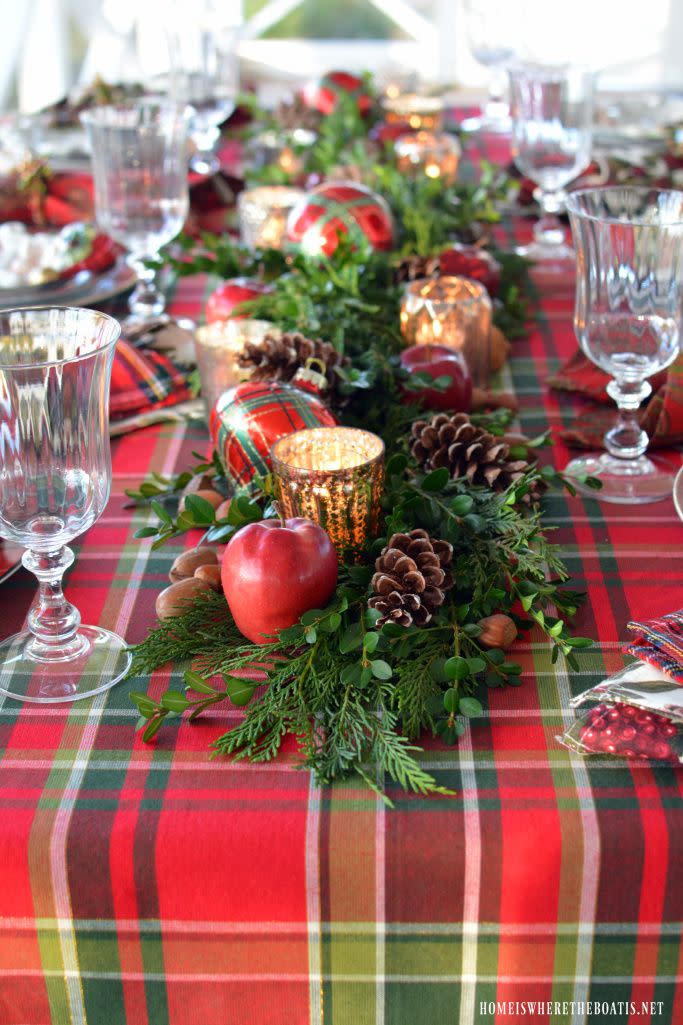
pixel 279 355
pixel 413 575
pixel 414 267
pixel 468 451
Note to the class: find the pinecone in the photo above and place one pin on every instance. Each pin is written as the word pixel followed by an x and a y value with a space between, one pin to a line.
pixel 469 451
pixel 413 575
pixel 280 354
pixel 414 267
pixel 293 113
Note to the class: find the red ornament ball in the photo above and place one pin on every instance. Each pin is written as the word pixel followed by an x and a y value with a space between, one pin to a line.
pixel 323 93
pixel 335 208
pixel 224 299
pixel 471 262
pixel 247 421
pixel 438 361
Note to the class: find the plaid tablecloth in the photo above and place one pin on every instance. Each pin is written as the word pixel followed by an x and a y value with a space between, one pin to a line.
pixel 149 885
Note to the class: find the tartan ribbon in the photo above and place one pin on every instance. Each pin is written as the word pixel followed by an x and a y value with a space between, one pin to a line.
pixel 660 643
pixel 662 418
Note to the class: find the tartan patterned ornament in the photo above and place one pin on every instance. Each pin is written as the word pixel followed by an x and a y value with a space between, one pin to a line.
pixel 323 94
pixel 247 421
pixel 335 208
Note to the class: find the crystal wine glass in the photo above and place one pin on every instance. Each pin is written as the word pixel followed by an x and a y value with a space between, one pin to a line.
pixel 204 72
pixel 55 476
pixel 139 155
pixel 491 27
pixel 627 318
pixel 552 120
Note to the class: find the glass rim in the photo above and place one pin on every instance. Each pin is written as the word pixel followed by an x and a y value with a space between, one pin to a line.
pixel 101 115
pixel 287 466
pixel 549 71
pixel 476 292
pixel 96 314
pixel 571 203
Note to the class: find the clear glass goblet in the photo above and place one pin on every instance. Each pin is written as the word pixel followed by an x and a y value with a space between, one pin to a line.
pixel 552 122
pixel 492 26
pixel 139 157
pixel 202 45
pixel 627 318
pixel 55 477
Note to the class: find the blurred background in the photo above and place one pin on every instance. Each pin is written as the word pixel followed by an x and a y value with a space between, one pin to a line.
pixel 47 47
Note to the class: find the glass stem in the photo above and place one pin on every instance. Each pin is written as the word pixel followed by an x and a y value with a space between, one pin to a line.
pixel 548 231
pixel 627 439
pixel 52 620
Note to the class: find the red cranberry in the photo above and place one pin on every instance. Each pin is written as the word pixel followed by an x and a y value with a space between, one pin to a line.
pixel 629 712
pixel 661 750
pixel 669 730
pixel 627 733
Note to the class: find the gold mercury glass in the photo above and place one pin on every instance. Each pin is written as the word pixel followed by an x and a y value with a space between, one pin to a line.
pixel 433 154
pixel 454 312
pixel 263 213
pixel 334 476
pixel 414 110
pixel 217 347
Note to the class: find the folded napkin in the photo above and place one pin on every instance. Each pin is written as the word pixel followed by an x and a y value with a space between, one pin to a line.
pixel 661 418
pixel 149 373
pixel 659 642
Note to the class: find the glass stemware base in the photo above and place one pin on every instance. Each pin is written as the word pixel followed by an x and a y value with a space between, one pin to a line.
pixel 96 660
pixel 624 481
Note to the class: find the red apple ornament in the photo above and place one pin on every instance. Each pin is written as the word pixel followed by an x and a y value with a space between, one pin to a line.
pixel 224 299
pixel 438 361
pixel 471 262
pixel 274 571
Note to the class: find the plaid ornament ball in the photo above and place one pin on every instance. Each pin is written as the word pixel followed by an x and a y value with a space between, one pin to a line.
pixel 247 421
pixel 340 208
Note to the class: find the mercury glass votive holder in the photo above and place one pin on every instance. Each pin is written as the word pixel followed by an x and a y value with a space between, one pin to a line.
pixel 262 213
pixel 217 347
pixel 414 110
pixel 334 476
pixel 434 154
pixel 450 311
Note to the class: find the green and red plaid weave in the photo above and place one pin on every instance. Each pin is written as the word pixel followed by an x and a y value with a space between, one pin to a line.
pixel 149 885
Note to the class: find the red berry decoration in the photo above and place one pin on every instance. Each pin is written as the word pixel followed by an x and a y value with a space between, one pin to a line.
pixel 335 208
pixel 247 421
pixel 628 732
pixel 438 361
pixel 274 571
pixel 323 94
pixel 471 262
pixel 224 299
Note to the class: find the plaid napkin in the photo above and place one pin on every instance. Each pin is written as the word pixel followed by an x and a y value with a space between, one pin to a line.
pixel 148 374
pixel 662 418
pixel 659 642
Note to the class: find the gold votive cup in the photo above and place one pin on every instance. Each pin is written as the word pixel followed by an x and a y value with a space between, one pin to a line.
pixel 262 213
pixel 334 476
pixel 434 154
pixel 217 347
pixel 454 312
pixel 414 110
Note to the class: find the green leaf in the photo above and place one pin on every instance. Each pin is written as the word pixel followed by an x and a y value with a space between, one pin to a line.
pixel 452 733
pixel 351 639
pixel 381 669
pixel 312 616
pixel 462 505
pixel 396 464
pixel 496 656
pixel 476 665
pixel 239 691
pixel 456 668
pixel 450 700
pixel 579 642
pixel 145 532
pixel 556 629
pixel 174 701
pixel 145 705
pixel 196 682
pixel 527 601
pixel 370 642
pixel 365 676
pixel 310 635
pixel 350 674
pixel 372 616
pixel 436 480
pixel 162 513
pixel 152 728
pixel 470 707
pixel 437 670
pixel 202 511
pixel 332 623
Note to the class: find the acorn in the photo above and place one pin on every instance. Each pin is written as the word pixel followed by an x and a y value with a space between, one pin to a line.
pixel 223 509
pixel 500 349
pixel 497 631
pixel 173 600
pixel 210 574
pixel 208 494
pixel 185 565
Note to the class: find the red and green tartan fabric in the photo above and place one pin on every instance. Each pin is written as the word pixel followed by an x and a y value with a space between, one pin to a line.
pixel 151 885
pixel 660 642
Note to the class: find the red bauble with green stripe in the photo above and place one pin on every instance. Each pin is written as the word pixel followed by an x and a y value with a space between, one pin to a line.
pixel 340 208
pixel 323 94
pixel 247 421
